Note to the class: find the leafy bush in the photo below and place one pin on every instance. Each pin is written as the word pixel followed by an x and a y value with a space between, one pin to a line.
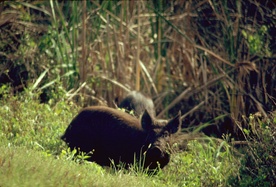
pixel 259 163
pixel 27 122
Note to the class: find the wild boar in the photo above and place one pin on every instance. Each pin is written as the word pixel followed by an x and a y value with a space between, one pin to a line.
pixel 137 102
pixel 112 134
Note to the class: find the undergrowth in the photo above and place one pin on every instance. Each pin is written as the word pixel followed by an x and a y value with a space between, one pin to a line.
pixel 259 163
pixel 27 122
pixel 34 155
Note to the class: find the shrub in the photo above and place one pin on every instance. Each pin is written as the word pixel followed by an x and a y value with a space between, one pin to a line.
pixel 26 122
pixel 259 163
pixel 208 162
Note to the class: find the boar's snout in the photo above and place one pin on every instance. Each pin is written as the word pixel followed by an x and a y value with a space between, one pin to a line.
pixel 156 157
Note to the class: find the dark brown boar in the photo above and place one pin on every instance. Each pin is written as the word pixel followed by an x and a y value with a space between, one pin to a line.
pixel 115 135
pixel 137 102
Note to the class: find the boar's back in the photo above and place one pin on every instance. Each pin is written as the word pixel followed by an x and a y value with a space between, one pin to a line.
pixel 111 133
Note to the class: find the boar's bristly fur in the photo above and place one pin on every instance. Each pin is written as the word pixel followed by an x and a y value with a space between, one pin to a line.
pixel 114 135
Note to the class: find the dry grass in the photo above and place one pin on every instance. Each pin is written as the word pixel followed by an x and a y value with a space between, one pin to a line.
pixel 205 58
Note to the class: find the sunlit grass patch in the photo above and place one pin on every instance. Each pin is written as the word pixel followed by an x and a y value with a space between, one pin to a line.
pixel 23 167
pixel 206 163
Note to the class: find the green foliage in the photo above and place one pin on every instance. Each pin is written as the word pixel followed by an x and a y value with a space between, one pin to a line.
pixel 136 169
pixel 67 154
pixel 63 36
pixel 27 122
pixel 129 112
pixel 258 42
pixel 259 164
pixel 206 163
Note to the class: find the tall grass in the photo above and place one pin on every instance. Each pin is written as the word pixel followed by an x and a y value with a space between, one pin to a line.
pixel 107 48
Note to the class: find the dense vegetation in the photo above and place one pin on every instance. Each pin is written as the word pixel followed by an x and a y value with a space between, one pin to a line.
pixel 213 60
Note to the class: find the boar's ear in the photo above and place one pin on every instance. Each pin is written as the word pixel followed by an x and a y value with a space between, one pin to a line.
pixel 147 121
pixel 174 125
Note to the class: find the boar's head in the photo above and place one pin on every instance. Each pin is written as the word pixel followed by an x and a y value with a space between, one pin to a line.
pixel 159 135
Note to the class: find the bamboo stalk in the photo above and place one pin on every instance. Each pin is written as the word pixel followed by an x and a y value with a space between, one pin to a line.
pixel 138 68
pixel 83 63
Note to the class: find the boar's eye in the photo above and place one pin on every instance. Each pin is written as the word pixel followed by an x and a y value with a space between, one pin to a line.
pixel 165 134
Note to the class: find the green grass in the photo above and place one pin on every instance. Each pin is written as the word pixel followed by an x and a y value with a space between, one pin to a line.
pixel 206 163
pixel 23 167
pixel 32 153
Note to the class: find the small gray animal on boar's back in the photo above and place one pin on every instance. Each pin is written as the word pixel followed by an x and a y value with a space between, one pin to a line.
pixel 112 134
pixel 137 102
